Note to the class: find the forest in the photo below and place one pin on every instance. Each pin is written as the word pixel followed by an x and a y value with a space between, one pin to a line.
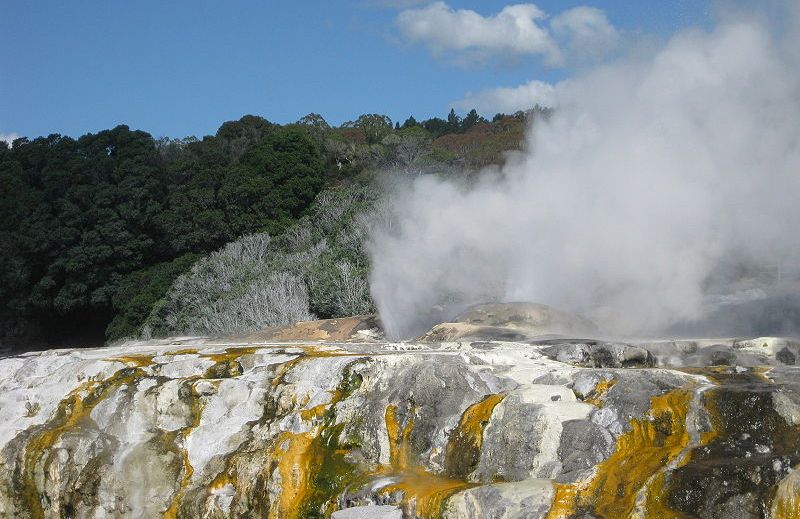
pixel 118 234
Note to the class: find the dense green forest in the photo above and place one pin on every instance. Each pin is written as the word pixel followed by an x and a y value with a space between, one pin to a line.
pixel 118 234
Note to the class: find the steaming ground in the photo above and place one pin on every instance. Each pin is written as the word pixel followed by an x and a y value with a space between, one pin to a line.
pixel 663 187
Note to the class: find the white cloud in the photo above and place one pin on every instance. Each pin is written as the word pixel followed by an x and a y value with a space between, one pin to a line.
pixel 9 137
pixel 517 30
pixel 514 30
pixel 586 31
pixel 508 99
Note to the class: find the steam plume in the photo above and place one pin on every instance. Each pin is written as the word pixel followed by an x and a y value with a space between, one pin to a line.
pixel 657 177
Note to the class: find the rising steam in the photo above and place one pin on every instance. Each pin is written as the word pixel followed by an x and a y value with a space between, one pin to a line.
pixel 656 178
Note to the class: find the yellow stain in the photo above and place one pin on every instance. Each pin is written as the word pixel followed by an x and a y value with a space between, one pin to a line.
pixel 315 412
pixel 639 456
pixel 722 374
pixel 228 475
pixel 423 491
pixel 598 395
pixel 318 411
pixel 197 409
pixel 185 351
pixel 70 412
pixel 308 351
pixel 655 504
pixel 226 364
pixel 139 361
pixel 300 456
pixel 786 504
pixel 296 459
pixel 230 354
pixel 565 500
pixel 465 442
pixel 223 479
pixel 399 448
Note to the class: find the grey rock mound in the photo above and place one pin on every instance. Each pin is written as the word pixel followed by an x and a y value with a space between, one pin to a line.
pixel 511 321
pixel 601 355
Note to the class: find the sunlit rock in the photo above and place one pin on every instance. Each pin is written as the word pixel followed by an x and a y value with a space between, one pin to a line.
pixel 511 321
pixel 342 427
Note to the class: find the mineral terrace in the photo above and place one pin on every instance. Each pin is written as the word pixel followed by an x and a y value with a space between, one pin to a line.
pixel 508 412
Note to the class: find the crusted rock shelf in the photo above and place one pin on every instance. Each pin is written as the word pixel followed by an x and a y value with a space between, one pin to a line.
pixel 555 428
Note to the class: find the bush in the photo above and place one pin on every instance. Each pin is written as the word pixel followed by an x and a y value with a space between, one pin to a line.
pixel 316 268
pixel 136 294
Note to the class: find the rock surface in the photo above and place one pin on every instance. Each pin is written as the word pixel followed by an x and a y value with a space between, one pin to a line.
pixel 268 427
pixel 512 322
pixel 369 512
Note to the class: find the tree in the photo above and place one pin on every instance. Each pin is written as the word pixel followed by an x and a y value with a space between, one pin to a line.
pixel 89 216
pixel 137 293
pixel 482 144
pixel 453 122
pixel 235 137
pixel 374 126
pixel 314 120
pixel 413 148
pixel 273 183
pixel 93 229
pixel 471 119
pixel 87 222
pixel 316 125
pixel 410 122
pixel 436 126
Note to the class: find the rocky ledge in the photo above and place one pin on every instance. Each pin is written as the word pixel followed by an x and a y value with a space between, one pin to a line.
pixel 357 427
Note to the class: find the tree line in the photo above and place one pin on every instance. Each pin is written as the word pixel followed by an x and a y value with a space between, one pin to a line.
pixel 95 230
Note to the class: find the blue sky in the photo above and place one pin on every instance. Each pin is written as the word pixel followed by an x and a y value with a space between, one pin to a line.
pixel 182 68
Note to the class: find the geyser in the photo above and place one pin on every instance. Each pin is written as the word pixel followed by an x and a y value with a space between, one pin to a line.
pixel 661 182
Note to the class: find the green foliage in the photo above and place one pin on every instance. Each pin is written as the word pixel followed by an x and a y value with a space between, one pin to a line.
pixel 437 127
pixel 79 217
pixel 410 123
pixel 103 231
pixel 482 144
pixel 443 155
pixel 316 268
pixel 453 122
pixel 374 126
pixel 314 121
pixel 81 213
pixel 252 177
pixel 137 293
pixel 273 183
pixel 471 119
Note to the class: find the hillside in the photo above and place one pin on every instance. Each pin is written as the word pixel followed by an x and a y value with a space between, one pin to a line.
pixel 95 230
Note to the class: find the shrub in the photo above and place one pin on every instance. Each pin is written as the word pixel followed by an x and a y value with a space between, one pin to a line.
pixel 316 268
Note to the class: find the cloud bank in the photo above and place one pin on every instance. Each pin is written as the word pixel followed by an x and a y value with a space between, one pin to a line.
pixel 586 32
pixel 508 99
pixel 517 30
pixel 656 178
